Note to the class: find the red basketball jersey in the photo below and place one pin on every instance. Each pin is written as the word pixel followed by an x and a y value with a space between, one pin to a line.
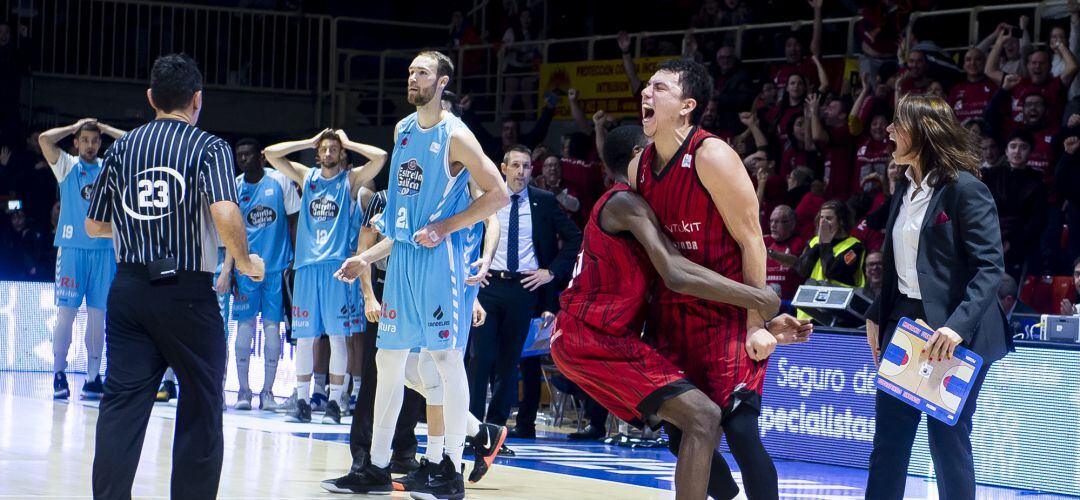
pixel 612 278
pixel 684 207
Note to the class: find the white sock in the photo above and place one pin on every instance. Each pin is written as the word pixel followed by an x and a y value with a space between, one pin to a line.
pixel 303 390
pixel 271 353
pixel 356 385
pixel 455 387
pixel 304 361
pixel 389 393
pixel 170 375
pixel 434 451
pixel 245 330
pixel 65 316
pixel 95 341
pixel 335 392
pixel 472 425
pixel 320 383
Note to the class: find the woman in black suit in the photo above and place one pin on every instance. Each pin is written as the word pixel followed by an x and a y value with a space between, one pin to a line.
pixel 943 263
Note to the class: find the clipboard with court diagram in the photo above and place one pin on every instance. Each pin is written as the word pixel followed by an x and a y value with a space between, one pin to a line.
pixel 938 388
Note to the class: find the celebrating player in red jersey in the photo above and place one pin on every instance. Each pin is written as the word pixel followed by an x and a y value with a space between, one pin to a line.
pixel 597 340
pixel 703 197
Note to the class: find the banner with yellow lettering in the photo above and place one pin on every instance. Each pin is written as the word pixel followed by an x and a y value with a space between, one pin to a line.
pixel 600 85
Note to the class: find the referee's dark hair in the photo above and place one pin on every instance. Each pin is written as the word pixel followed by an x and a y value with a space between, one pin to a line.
pixel 174 80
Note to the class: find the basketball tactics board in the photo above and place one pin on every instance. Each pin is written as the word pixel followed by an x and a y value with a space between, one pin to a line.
pixel 937 388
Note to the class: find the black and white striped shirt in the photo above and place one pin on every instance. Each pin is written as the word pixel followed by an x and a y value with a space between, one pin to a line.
pixel 375 207
pixel 156 186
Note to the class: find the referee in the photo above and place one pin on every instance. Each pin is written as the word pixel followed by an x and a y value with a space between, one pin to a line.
pixel 162 190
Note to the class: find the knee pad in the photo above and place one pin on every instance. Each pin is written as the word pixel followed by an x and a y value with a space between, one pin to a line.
pixel 305 356
pixel 430 379
pixel 339 355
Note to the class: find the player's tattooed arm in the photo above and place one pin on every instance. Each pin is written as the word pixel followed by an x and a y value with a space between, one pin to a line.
pixel 630 212
pixel 276 157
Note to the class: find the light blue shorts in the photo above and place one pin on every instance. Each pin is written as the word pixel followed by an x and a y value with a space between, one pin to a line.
pixel 321 302
pixel 83 273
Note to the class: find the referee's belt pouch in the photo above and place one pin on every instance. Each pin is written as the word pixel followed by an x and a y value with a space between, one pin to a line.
pixel 161 269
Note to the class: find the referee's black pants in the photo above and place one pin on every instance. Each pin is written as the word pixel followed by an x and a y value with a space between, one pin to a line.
pixel 495 347
pixel 152 326
pixel 404 443
pixel 897 423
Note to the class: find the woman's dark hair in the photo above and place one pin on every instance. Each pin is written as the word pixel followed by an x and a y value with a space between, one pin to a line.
pixel 791 129
pixel 174 80
pixel 938 140
pixel 843 215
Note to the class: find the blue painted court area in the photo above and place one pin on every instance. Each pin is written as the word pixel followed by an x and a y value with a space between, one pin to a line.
pixel 655 468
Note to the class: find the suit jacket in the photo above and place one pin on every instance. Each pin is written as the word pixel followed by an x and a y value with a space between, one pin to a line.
pixel 550 225
pixel 960 265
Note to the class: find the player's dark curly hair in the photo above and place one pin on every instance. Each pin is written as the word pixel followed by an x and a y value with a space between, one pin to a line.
pixel 695 81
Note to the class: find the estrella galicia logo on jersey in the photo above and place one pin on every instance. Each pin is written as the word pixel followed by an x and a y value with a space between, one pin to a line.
pixel 323 209
pixel 154 194
pixel 410 178
pixel 261 216
pixel 85 191
pixel 438 315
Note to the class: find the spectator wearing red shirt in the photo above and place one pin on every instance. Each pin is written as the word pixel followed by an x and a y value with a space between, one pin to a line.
pixel 832 134
pixel 550 179
pixel 794 60
pixel 916 78
pixel 783 247
pixel 791 103
pixel 874 151
pixel 878 32
pixel 970 97
pixel 771 189
pixel 580 175
pixel 800 149
pixel 1039 79
pixel 1033 118
pixel 807 209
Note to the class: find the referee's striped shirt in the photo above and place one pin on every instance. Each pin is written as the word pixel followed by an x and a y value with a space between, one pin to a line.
pixel 375 207
pixel 156 186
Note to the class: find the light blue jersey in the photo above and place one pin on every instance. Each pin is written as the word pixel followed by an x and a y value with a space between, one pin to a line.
pixel 266 206
pixel 76 178
pixel 424 297
pixel 325 217
pixel 421 189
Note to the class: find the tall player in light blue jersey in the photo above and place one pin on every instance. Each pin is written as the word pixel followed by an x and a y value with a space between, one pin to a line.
pixel 269 204
pixel 428 204
pixel 321 303
pixel 84 266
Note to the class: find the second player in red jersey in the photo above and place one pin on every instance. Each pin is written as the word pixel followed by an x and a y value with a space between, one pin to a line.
pixel 597 341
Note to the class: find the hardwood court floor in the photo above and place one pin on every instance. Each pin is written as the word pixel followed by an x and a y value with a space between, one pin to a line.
pixel 46 451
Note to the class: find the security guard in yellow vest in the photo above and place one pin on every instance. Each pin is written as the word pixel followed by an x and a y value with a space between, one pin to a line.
pixel 833 257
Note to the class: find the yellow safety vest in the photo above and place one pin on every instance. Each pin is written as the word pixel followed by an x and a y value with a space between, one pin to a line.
pixel 818 273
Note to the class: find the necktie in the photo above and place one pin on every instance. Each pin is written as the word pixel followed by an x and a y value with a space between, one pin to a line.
pixel 512 236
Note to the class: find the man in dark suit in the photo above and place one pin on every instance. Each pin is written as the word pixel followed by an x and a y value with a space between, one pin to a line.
pixel 526 272
pixel 943 263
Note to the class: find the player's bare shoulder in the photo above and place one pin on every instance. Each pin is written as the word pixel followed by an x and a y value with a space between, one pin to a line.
pixel 715 155
pixel 632 169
